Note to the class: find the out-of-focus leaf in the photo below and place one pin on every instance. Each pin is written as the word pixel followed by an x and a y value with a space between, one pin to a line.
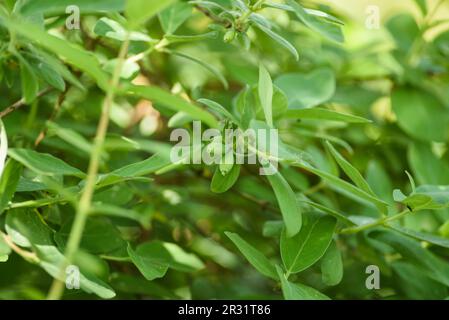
pixel 50 7
pixel 329 30
pixel 139 11
pixel 276 37
pixel 154 258
pixel 307 90
pixel 417 111
pixel 266 94
pixel 174 16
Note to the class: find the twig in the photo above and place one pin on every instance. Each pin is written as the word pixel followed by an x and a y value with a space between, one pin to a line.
pixel 27 255
pixel 22 103
pixel 377 223
pixel 53 115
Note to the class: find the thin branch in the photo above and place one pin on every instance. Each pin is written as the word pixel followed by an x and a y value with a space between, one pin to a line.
pixel 85 202
pixel 22 103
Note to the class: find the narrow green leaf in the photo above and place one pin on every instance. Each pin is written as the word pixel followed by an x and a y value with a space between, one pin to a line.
pixel 330 211
pixel 283 42
pixel 286 198
pixel 266 94
pixel 139 11
pixel 431 265
pixel 30 84
pixel 43 163
pixel 303 250
pixel 51 7
pixel 142 168
pixel 219 109
pixel 254 256
pixel 205 65
pixel 69 52
pixel 343 185
pixel 350 170
pixel 330 31
pixel 8 183
pixel 158 95
pixel 324 114
pixel 3 146
pixel 422 236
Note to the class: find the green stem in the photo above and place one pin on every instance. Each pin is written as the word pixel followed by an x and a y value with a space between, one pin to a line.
pixel 85 203
pixel 379 222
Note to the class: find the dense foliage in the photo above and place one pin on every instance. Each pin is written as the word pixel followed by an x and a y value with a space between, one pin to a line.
pixel 87 182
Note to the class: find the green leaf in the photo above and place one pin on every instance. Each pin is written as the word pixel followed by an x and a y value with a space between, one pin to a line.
pixel 69 52
pixel 27 228
pixel 174 16
pixel 50 75
pixel 330 31
pixel 425 197
pixel 109 28
pixel 426 166
pixel 405 31
pixel 8 183
pixel 154 258
pixel 297 291
pixel 422 4
pixel 266 94
pixel 308 90
pixel 431 265
pixel 254 256
pixel 3 146
pixel 329 211
pixel 350 170
pixel 286 198
pixel 51 7
pixel 417 111
pixel 313 12
pixel 324 114
pixel 158 95
pixel 5 250
pixel 205 65
pixel 139 11
pixel 344 186
pixel 218 108
pixel 309 245
pixel 283 42
pixel 421 236
pixel 100 236
pixel 30 84
pixel 416 285
pixel 332 266
pixel 222 183
pixel 43 163
pixel 142 168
